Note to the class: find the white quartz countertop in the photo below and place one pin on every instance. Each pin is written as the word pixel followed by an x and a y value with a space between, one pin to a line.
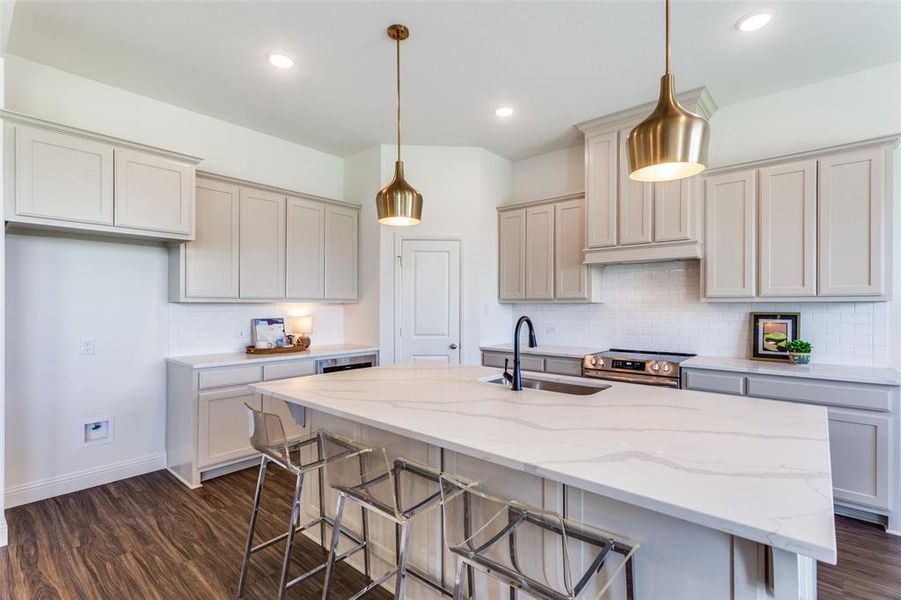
pixel 754 468
pixel 563 351
pixel 856 374
pixel 205 361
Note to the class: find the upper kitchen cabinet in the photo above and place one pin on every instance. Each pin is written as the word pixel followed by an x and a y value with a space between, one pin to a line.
pixel 153 193
pixel 305 260
pixel 261 244
pixel 540 256
pixel 731 227
pixel 787 218
pixel 540 252
pixel 512 254
pixel 58 177
pixel 630 221
pixel 853 223
pixel 600 189
pixel 341 252
pixel 822 227
pixel 258 243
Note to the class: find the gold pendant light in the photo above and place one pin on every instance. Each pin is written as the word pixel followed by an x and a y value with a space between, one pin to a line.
pixel 398 203
pixel 671 143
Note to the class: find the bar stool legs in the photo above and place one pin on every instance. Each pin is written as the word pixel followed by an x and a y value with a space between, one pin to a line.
pixel 292 530
pixel 403 549
pixel 333 549
pixel 253 525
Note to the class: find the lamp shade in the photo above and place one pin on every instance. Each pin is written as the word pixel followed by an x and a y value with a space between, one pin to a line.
pixel 398 203
pixel 671 143
pixel 301 324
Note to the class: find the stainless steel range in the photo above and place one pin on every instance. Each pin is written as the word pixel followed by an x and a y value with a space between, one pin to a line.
pixel 635 366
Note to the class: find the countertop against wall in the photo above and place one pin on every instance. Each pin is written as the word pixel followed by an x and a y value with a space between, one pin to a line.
pixel 205 361
pixel 850 373
pixel 562 351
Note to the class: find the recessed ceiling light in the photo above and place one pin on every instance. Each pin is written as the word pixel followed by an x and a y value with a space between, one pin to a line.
pixel 282 61
pixel 754 20
pixel 504 112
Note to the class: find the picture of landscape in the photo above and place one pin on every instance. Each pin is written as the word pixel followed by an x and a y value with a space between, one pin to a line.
pixel 770 333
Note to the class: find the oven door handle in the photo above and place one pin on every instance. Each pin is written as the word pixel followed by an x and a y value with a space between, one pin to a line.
pixel 659 381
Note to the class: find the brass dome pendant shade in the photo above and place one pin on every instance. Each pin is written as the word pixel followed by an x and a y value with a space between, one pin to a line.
pixel 671 143
pixel 398 203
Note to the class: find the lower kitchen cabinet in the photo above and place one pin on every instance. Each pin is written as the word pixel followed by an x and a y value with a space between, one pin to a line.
pixel 207 426
pixel 863 432
pixel 222 425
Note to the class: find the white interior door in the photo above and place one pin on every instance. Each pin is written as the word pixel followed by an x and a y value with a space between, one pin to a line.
pixel 429 302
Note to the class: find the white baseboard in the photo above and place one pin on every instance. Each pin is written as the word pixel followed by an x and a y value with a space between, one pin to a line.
pixel 72 482
pixel 4 533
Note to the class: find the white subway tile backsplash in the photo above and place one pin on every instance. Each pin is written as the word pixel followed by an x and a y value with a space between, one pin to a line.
pixel 658 306
pixel 213 328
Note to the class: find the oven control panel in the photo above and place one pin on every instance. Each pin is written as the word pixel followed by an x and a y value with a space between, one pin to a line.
pixel 629 365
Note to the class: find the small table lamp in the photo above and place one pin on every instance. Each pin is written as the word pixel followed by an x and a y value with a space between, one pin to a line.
pixel 302 327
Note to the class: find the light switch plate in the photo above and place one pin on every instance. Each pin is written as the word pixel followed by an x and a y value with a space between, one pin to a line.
pixel 86 346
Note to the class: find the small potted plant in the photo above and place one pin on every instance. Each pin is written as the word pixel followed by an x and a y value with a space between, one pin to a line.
pixel 799 351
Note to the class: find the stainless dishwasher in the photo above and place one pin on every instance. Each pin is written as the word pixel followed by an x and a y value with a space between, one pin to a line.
pixel 346 363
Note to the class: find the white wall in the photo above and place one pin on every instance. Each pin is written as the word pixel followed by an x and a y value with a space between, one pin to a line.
pixel 61 289
pixel 461 186
pixel 4 27
pixel 546 175
pixel 362 179
pixel 227 149
pixel 658 306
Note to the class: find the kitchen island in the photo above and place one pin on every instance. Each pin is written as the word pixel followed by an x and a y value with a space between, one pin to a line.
pixel 728 497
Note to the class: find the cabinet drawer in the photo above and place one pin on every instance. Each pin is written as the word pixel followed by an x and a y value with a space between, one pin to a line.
pixel 528 363
pixel 859 445
pixel 299 368
pixel 723 383
pixel 830 393
pixel 563 366
pixel 226 377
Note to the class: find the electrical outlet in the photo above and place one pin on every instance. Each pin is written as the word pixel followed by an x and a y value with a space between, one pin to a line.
pixel 86 346
pixel 551 330
pixel 96 431
pixel 242 334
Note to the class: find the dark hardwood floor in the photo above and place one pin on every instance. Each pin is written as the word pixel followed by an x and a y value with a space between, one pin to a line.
pixel 150 537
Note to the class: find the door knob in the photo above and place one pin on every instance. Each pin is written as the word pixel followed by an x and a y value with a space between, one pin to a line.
pixel 453 346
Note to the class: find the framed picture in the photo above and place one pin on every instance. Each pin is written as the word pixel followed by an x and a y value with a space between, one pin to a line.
pixel 770 332
pixel 270 332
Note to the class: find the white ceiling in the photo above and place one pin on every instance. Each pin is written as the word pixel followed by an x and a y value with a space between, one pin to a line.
pixel 557 63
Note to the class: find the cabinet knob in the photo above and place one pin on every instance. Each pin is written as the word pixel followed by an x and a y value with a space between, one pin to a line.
pixel 453 346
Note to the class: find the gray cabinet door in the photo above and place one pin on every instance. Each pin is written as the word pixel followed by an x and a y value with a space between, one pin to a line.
pixel 512 255
pixel 211 260
pixel 859 445
pixel 262 244
pixel 305 242
pixel 64 177
pixel 731 235
pixel 341 235
pixel 153 193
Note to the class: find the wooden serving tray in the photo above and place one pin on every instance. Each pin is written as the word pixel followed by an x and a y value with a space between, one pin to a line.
pixel 264 351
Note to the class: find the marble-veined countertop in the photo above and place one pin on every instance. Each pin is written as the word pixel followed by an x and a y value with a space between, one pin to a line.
pixel 850 373
pixel 754 468
pixel 229 359
pixel 561 351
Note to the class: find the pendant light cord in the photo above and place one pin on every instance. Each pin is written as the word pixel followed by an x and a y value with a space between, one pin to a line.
pixel 666 34
pixel 398 98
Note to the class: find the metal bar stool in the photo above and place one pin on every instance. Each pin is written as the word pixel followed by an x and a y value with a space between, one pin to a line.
pixel 365 476
pixel 486 533
pixel 267 436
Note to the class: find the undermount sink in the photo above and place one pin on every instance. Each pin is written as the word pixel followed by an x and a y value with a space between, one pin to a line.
pixel 560 387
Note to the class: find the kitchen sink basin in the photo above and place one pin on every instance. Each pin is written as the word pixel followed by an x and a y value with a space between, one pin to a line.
pixel 560 387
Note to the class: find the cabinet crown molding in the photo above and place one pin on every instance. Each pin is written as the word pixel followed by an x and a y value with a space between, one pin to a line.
pixel 889 142
pixel 23 119
pixel 697 100
pixel 551 200
pixel 274 189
